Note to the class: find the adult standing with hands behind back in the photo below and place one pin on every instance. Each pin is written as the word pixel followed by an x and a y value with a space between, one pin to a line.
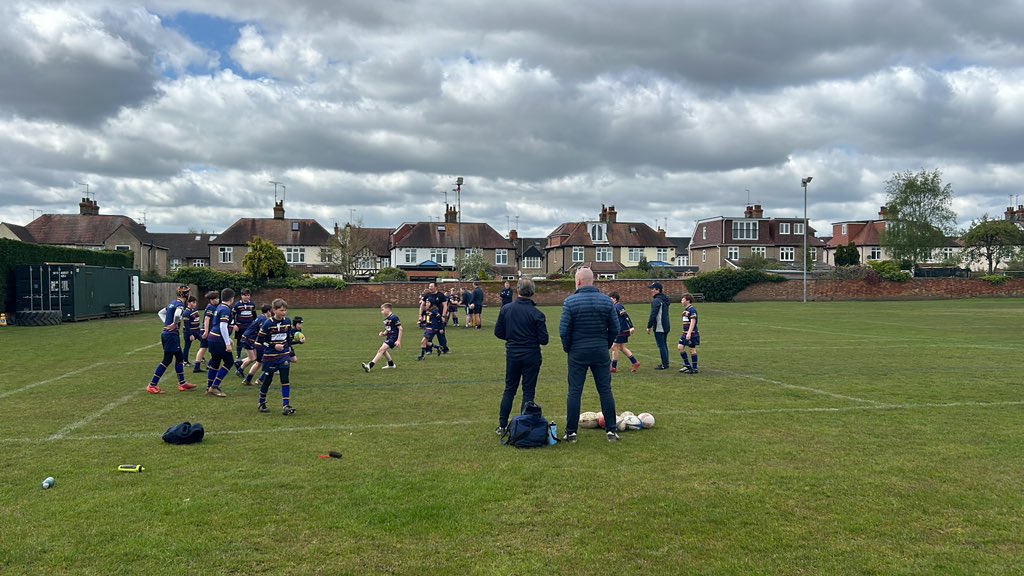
pixel 659 322
pixel 524 329
pixel 588 329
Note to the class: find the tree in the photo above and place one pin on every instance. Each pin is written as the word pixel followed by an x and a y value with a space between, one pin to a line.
pixel 643 265
pixel 993 241
pixel 347 248
pixel 390 275
pixel 847 255
pixel 264 260
pixel 918 215
pixel 471 265
pixel 755 262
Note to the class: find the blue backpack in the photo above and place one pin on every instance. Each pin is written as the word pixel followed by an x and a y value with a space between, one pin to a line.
pixel 528 430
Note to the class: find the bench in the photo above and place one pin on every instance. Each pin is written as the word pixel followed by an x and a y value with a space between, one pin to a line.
pixel 698 297
pixel 118 309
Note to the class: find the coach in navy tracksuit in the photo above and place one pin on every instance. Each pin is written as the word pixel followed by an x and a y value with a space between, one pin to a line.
pixel 588 329
pixel 524 329
pixel 658 321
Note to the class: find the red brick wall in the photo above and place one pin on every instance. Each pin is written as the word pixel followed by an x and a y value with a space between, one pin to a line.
pixel 554 292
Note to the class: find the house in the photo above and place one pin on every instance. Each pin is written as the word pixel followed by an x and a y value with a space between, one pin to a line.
pixel 364 250
pixel 530 252
pixel 606 246
pixel 866 235
pixel 186 248
pixel 305 243
pixel 724 241
pixel 10 231
pixel 91 230
pixel 428 249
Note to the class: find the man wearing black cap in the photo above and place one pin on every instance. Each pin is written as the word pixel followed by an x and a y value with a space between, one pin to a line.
pixel 659 322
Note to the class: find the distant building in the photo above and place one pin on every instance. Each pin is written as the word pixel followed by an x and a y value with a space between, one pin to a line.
pixel 723 241
pixel 305 243
pixel 428 249
pixel 186 248
pixel 366 249
pixel 531 254
pixel 91 230
pixel 866 235
pixel 606 246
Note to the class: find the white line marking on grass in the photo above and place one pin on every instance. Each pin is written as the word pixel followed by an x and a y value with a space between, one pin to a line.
pixel 54 379
pixel 805 388
pixel 72 427
pixel 395 426
pixel 141 349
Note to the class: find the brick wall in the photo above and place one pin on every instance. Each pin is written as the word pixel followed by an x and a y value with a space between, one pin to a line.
pixel 553 292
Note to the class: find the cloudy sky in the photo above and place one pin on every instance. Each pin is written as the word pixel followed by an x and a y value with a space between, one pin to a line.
pixel 182 111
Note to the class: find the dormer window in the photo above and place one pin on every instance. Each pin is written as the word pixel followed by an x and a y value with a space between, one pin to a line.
pixel 598 232
pixel 295 226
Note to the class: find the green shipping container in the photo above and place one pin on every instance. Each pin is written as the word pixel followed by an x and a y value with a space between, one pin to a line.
pixel 76 291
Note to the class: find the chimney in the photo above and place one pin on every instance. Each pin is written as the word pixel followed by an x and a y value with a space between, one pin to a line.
pixel 279 210
pixel 451 215
pixel 661 231
pixel 757 211
pixel 337 230
pixel 748 212
pixel 604 214
pixel 513 235
pixel 882 213
pixel 88 207
pixel 610 214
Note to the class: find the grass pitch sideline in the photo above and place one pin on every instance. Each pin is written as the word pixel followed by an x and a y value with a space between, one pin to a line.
pixel 828 437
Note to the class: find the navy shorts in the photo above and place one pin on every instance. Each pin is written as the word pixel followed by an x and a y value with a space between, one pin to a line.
pixel 171 342
pixel 622 338
pixel 391 343
pixel 247 344
pixel 692 342
pixel 203 342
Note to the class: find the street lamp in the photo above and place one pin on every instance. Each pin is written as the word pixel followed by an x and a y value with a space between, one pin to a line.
pixel 804 182
pixel 458 206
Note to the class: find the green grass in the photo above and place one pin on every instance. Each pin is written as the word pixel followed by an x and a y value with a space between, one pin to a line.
pixel 827 438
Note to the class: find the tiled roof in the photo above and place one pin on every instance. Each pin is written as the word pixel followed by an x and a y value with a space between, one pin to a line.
pixel 625 234
pixel 83 230
pixel 280 232
pixel 533 246
pixel 376 239
pixel 21 232
pixel 184 245
pixel 682 243
pixel 446 235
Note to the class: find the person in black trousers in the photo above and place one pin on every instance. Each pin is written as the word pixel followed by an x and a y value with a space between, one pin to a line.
pixel 524 329
pixel 659 322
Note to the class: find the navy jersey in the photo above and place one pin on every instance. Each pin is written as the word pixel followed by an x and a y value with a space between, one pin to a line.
pixel 245 313
pixel 690 316
pixel 506 296
pixel 254 328
pixel 221 314
pixel 195 321
pixel 208 314
pixel 434 320
pixel 172 314
pixel 435 299
pixel 272 333
pixel 625 322
pixel 391 324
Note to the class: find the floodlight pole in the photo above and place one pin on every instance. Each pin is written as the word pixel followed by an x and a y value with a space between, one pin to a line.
pixel 804 182
pixel 458 202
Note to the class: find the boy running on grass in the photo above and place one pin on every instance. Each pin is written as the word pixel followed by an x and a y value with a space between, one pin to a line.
pixel 221 355
pixel 392 334
pixel 248 343
pixel 432 325
pixel 275 338
pixel 625 330
pixel 691 336
pixel 170 338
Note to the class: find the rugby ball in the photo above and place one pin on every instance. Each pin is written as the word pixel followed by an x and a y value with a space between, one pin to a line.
pixel 589 420
pixel 626 414
pixel 647 419
pixel 300 337
pixel 600 420
pixel 633 423
pixel 620 424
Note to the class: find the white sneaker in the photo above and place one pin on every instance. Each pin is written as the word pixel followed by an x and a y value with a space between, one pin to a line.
pixel 366 367
pixel 388 366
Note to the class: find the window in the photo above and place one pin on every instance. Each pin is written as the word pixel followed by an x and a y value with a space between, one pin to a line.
pixel 326 256
pixel 532 262
pixel 175 264
pixel 364 263
pixel 597 233
pixel 122 247
pixel 744 230
pixel 439 255
pixel 787 253
pixel 577 253
pixel 758 251
pixel 410 256
pixel 295 226
pixel 703 232
pixel 385 262
pixel 814 254
pixel 703 255
pixel 295 255
pixel 471 251
pixel 663 254
pixel 199 263
pixel 733 253
pixel 875 253
pixel 948 252
pixel 635 254
pixel 606 276
pixel 683 260
pixel 798 228
pixel 844 230
pixel 227 254
pixel 604 254
pixel 783 227
pixel 501 256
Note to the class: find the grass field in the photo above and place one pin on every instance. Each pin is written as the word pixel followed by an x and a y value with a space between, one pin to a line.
pixel 823 438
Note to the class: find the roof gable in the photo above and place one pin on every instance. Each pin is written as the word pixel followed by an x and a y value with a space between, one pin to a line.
pixel 282 232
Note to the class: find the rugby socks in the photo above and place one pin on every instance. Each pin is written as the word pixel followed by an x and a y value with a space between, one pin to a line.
pixel 633 360
pixel 372 363
pixel 694 358
pixel 248 378
pixel 160 369
pixel 615 364
pixel 286 390
pixel 264 388
pixel 221 373
pixel 211 375
pixel 686 359
pixel 179 369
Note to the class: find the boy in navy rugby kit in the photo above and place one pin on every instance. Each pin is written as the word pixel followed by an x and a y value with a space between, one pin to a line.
pixel 626 329
pixel 248 343
pixel 392 334
pixel 432 326
pixel 691 336
pixel 435 297
pixel 275 337
pixel 219 341
pixel 244 314
pixel 192 322
pixel 212 300
pixel 170 339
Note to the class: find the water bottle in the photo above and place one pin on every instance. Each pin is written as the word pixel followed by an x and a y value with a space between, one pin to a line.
pixel 48 483
pixel 130 468
pixel 552 433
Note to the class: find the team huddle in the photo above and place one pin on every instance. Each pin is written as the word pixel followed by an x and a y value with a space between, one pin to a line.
pixel 267 339
pixel 591 325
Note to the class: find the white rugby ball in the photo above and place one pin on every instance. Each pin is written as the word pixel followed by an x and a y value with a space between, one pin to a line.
pixel 647 419
pixel 620 424
pixel 626 414
pixel 633 423
pixel 589 420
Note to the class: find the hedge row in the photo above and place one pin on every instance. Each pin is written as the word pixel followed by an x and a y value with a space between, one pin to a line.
pixel 14 253
pixel 723 285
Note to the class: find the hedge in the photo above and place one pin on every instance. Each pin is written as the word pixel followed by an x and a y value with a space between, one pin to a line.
pixel 723 285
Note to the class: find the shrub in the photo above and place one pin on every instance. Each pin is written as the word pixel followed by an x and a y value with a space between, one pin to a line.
pixel 306 282
pixel 209 279
pixel 889 270
pixel 724 285
pixel 856 272
pixel 995 279
pixel 390 275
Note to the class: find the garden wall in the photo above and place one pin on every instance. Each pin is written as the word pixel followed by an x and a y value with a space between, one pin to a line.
pixel 554 292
